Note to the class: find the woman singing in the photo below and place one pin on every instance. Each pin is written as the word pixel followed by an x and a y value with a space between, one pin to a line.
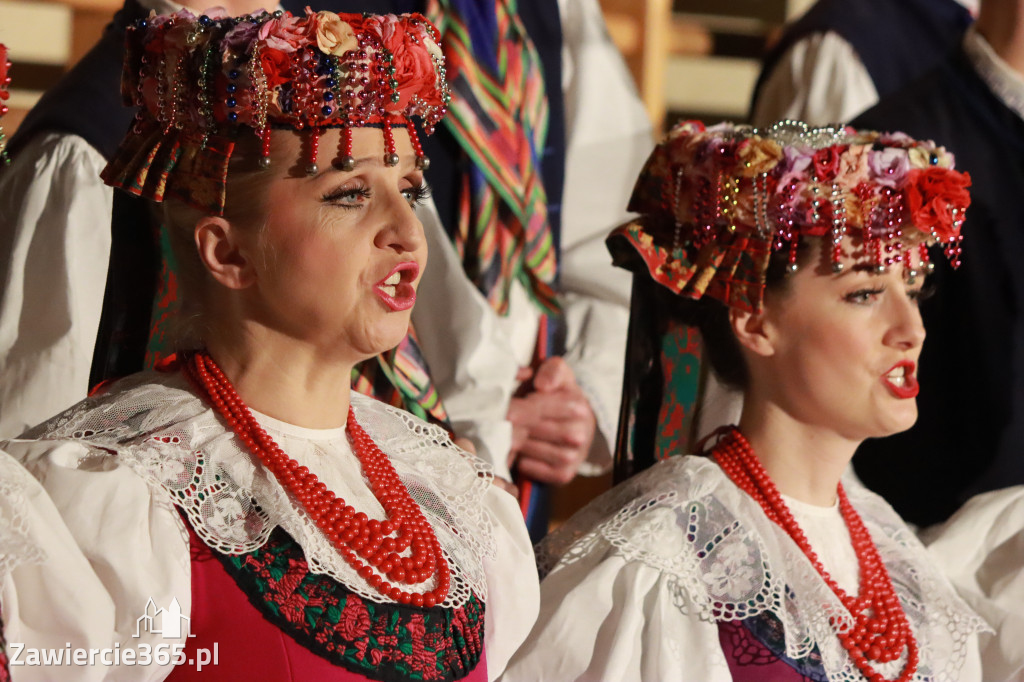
pixel 302 532
pixel 801 254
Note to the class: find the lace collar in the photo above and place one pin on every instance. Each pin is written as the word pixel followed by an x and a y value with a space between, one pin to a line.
pixel 726 561
pixel 155 425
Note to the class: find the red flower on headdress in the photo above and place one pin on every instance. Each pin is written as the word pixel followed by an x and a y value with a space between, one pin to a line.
pixel 931 194
pixel 276 65
pixel 414 67
pixel 826 164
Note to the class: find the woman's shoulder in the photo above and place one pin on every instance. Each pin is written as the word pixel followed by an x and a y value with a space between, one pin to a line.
pixel 133 407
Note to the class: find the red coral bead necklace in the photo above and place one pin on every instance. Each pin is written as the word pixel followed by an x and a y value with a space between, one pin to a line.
pixel 366 544
pixel 880 631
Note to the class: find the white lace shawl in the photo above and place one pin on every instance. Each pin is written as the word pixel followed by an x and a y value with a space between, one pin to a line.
pixel 725 560
pixel 153 424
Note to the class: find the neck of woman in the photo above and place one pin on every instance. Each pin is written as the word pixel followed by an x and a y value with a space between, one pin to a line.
pixel 805 461
pixel 1001 23
pixel 281 377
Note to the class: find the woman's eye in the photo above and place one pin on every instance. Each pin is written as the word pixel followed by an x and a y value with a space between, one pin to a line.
pixel 416 194
pixel 864 296
pixel 347 197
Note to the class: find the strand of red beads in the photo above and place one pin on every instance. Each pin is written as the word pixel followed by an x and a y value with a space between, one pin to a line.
pixel 880 631
pixel 366 544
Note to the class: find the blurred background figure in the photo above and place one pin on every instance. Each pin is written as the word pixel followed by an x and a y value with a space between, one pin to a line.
pixel 968 437
pixel 839 58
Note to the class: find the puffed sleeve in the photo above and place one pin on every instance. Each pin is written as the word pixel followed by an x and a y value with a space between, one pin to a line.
pixel 981 550
pixel 820 79
pixel 608 138
pixel 466 348
pixel 513 592
pixel 605 618
pixel 49 595
pixel 134 545
pixel 55 247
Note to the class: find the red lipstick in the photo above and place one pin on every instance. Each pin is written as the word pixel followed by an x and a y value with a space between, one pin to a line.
pixel 399 294
pixel 905 386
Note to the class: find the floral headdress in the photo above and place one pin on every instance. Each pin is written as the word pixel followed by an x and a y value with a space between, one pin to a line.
pixel 715 203
pixel 203 81
pixel 5 82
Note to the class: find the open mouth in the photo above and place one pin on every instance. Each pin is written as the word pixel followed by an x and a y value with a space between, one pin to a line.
pixel 900 380
pixel 397 290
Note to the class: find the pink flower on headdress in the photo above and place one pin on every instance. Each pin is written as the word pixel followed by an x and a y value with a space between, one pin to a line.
pixel 334 35
pixel 794 169
pixel 853 167
pixel 931 195
pixel 888 166
pixel 288 33
pixel 238 41
pixel 414 66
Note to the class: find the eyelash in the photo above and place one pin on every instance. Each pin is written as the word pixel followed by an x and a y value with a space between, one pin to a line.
pixel 865 296
pixel 415 195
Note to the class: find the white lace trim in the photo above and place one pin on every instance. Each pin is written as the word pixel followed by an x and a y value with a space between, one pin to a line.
pixel 725 560
pixel 16 548
pixel 155 425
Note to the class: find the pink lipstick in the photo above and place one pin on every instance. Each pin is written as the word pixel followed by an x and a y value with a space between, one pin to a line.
pixel 396 290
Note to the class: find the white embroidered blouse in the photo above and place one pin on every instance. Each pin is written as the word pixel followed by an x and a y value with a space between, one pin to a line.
pixel 120 468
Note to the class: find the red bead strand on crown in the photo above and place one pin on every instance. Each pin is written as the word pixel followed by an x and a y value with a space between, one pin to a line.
pixel 880 631
pixel 364 543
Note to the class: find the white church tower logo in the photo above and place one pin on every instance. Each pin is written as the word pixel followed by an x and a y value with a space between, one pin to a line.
pixel 169 623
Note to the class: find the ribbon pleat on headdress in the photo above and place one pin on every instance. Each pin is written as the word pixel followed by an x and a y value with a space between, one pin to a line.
pixel 162 166
pixel 499 116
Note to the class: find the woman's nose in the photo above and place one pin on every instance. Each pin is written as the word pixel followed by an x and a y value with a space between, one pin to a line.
pixel 403 230
pixel 907 328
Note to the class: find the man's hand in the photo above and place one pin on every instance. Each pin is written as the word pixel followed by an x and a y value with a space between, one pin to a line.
pixel 552 424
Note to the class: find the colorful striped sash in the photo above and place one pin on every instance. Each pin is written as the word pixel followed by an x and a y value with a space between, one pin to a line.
pixel 499 117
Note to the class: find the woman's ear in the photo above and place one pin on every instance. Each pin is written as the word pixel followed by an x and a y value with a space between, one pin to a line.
pixel 751 331
pixel 221 249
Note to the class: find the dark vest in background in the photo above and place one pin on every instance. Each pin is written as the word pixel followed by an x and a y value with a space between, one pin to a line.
pixel 897 40
pixel 969 436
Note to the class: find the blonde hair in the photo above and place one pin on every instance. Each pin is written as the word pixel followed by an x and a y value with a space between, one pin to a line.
pixel 244 207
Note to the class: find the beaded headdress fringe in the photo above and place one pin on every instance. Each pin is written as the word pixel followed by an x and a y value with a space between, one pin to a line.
pixel 201 82
pixel 717 202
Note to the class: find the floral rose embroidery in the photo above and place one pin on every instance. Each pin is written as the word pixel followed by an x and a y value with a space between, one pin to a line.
pixel 354 621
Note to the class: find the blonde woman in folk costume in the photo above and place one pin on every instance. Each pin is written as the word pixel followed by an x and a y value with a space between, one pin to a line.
pixel 801 254
pixel 308 532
